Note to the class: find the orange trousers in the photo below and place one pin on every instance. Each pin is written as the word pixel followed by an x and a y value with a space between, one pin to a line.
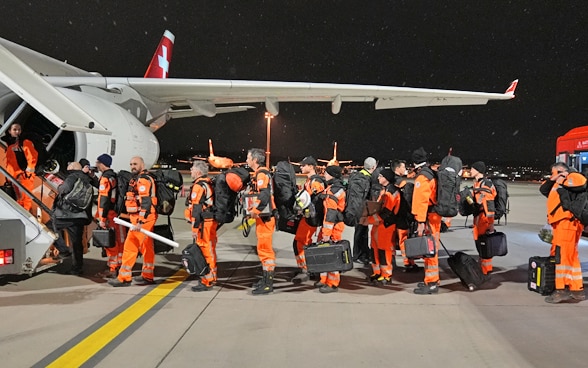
pixel 432 264
pixel 402 235
pixel 383 248
pixel 333 279
pixel 29 183
pixel 481 224
pixel 303 237
pixel 568 271
pixel 115 253
pixel 138 242
pixel 264 230
pixel 205 237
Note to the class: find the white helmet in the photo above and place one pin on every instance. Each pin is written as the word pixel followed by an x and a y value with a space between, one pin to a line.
pixel 302 200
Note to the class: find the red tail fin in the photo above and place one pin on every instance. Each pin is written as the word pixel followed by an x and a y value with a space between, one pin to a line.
pixel 210 147
pixel 159 66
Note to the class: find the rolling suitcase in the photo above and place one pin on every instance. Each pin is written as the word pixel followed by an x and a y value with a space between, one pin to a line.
pixel 467 269
pixel 420 246
pixel 194 261
pixel 328 257
pixel 541 275
pixel 103 238
pixel 492 245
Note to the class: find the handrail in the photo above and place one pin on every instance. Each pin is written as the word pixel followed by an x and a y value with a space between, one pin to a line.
pixel 37 201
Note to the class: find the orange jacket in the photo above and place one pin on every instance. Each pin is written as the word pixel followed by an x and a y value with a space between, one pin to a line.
pixel 314 185
pixel 390 203
pixel 25 147
pixel 142 200
pixel 262 185
pixel 424 195
pixel 106 195
pixel 485 196
pixel 334 204
pixel 200 202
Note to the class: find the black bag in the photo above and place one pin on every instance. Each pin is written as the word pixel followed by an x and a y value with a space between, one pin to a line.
pixel 9 189
pixel 501 204
pixel 238 175
pixel 492 245
pixel 405 217
pixel 464 207
pixel 285 188
pixel 289 225
pixel 420 246
pixel 316 210
pixel 123 178
pixel 467 269
pixel 194 261
pixel 541 275
pixel 167 185
pixel 328 257
pixel 448 182
pixel 80 196
pixel 358 189
pixel 103 238
pixel 166 231
pixel 224 200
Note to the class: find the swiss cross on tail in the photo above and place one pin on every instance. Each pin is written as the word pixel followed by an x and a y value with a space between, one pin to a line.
pixel 159 66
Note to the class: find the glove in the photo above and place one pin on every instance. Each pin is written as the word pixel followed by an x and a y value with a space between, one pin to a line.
pixel 136 227
pixel 102 224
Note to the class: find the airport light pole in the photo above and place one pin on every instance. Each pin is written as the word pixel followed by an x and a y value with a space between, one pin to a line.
pixel 269 118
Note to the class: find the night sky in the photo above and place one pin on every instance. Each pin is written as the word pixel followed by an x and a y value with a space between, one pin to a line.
pixel 463 45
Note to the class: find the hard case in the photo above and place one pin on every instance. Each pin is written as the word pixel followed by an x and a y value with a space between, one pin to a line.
pixel 103 238
pixel 289 225
pixel 541 275
pixel 328 257
pixel 467 269
pixel 420 246
pixel 194 261
pixel 492 245
pixel 166 231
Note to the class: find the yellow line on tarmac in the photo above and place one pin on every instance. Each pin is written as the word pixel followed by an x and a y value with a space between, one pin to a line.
pixel 87 348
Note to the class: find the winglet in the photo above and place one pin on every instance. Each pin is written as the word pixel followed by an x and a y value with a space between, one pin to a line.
pixel 159 66
pixel 511 89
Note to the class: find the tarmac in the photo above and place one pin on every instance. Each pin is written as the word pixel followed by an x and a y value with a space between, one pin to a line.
pixel 58 320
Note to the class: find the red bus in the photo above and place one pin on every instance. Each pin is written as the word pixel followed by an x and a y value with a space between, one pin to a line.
pixel 572 148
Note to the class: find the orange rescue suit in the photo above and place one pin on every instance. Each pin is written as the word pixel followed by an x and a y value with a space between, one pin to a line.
pixel 105 213
pixel 22 151
pixel 383 232
pixel 484 194
pixel 333 225
pixel 264 226
pixel 314 186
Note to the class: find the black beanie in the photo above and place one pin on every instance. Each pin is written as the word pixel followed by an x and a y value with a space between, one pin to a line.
pixel 388 174
pixel 419 156
pixel 335 171
pixel 479 166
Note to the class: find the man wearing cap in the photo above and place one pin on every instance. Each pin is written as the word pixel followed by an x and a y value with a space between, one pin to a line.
pixel 423 199
pixel 384 229
pixel 484 194
pixel 333 225
pixel 361 249
pixel 105 214
pixel 200 214
pixel 314 185
pixel 264 225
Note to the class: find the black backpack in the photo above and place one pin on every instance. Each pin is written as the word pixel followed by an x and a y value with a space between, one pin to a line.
pixel 123 178
pixel 316 209
pixel 575 200
pixel 358 189
pixel 464 207
pixel 79 198
pixel 285 189
pixel 501 205
pixel 167 185
pixel 448 182
pixel 405 216
pixel 224 200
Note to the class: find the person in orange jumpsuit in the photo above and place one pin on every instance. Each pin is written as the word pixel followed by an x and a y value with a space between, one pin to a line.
pixel 21 159
pixel 333 226
pixel 105 214
pixel 264 224
pixel 199 213
pixel 424 197
pixel 384 229
pixel 567 231
pixel 140 203
pixel 484 194
pixel 314 185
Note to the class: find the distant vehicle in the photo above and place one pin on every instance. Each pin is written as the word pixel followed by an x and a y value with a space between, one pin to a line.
pixel 572 149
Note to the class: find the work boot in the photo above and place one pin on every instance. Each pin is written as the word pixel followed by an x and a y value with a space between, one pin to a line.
pixel 325 289
pixel 384 280
pixel 140 280
pixel 578 295
pixel 374 277
pixel 118 283
pixel 301 277
pixel 267 285
pixel 558 296
pixel 411 268
pixel 425 289
pixel 318 284
pixel 107 274
pixel 201 287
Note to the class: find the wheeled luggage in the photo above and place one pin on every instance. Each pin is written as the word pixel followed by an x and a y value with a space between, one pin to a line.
pixel 466 268
pixel 492 245
pixel 542 275
pixel 103 238
pixel 420 246
pixel 328 257
pixel 194 261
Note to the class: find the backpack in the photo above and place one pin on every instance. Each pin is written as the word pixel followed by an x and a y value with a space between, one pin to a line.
pixel 123 179
pixel 464 207
pixel 167 185
pixel 448 182
pixel 574 198
pixel 285 189
pixel 501 206
pixel 224 200
pixel 358 189
pixel 237 178
pixel 80 196
pixel 405 216
pixel 316 210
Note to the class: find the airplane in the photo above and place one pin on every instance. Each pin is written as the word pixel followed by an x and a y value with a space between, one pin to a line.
pixel 334 161
pixel 87 114
pixel 217 162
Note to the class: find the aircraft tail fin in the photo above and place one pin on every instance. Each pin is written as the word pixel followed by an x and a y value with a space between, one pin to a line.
pixel 335 151
pixel 210 147
pixel 511 89
pixel 159 66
